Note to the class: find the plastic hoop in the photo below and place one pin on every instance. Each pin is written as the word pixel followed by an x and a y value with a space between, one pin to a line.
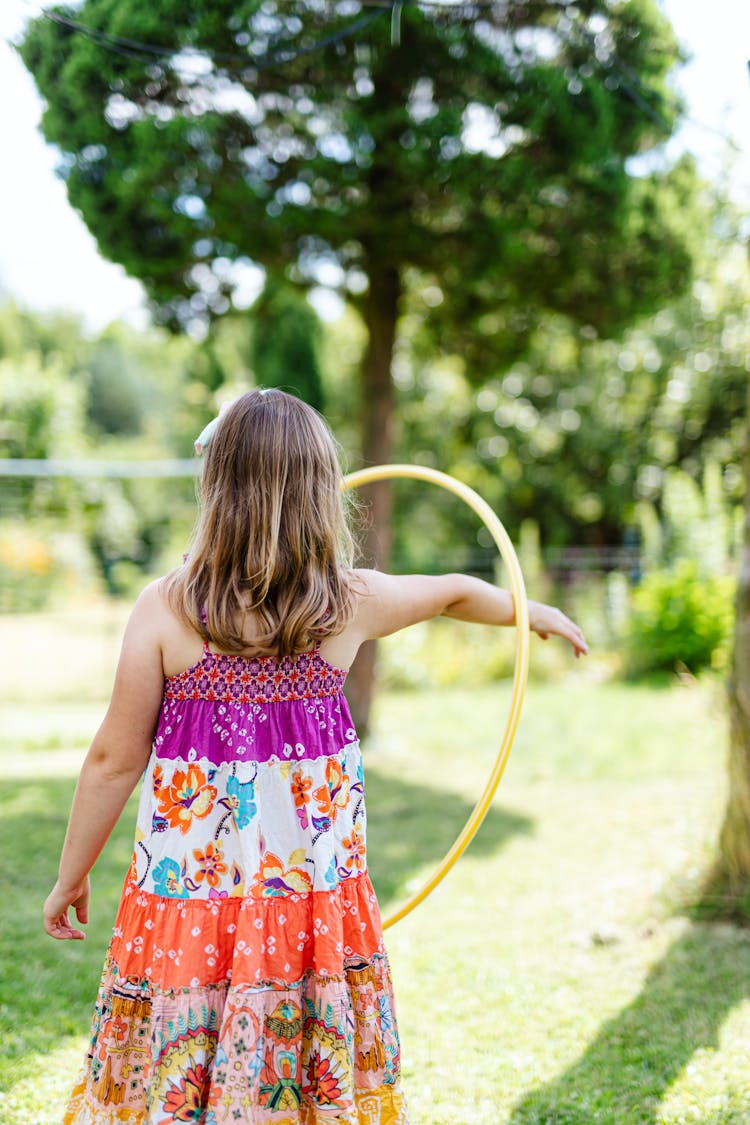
pixel 508 554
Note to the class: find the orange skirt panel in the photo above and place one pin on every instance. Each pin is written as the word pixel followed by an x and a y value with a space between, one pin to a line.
pixel 187 943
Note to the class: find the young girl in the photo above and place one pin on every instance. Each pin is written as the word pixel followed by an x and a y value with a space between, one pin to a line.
pixel 247 980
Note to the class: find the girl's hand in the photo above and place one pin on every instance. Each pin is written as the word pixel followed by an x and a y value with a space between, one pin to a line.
pixel 546 621
pixel 56 921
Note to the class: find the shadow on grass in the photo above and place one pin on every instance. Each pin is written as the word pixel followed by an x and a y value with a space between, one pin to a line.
pixel 411 827
pixel 47 988
pixel 625 1073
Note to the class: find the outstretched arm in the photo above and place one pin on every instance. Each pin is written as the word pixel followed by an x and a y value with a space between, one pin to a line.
pixel 391 602
pixel 115 761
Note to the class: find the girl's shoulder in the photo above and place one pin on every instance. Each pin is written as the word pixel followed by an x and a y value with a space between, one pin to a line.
pixel 366 582
pixel 152 603
pixel 180 645
pixel 151 608
pixel 372 590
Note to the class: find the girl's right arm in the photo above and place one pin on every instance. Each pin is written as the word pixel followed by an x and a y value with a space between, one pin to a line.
pixel 391 602
pixel 113 765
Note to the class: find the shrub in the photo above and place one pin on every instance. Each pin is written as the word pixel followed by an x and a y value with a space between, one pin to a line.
pixel 26 571
pixel 447 654
pixel 680 617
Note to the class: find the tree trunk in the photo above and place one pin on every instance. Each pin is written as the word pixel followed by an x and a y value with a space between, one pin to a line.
pixel 380 312
pixel 728 889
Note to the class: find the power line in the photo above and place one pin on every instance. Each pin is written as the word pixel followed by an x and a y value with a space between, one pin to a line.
pixel 631 83
pixel 629 80
pixel 134 48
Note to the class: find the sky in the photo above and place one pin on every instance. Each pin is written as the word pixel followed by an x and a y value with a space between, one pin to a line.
pixel 48 259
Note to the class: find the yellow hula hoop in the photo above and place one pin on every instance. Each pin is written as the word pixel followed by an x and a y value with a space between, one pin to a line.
pixel 505 547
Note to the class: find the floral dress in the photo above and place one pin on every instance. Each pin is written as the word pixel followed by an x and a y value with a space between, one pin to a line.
pixel 247 980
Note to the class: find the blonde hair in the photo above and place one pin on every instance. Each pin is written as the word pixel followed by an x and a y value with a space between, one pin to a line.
pixel 271 536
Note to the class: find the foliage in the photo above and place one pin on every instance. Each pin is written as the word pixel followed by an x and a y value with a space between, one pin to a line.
pixel 681 617
pixel 26 570
pixel 366 154
pixel 683 611
pixel 450 654
pixel 489 157
pixel 699 522
pixel 115 394
pixel 508 439
pixel 42 415
pixel 42 411
pixel 127 524
pixel 441 654
pixel 79 390
pixel 63 396
pixel 583 433
pixel 285 343
pixel 49 335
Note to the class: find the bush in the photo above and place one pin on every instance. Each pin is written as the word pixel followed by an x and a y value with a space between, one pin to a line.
pixel 26 571
pixel 680 617
pixel 446 654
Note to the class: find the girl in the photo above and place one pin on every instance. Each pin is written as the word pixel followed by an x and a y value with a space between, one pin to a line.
pixel 247 980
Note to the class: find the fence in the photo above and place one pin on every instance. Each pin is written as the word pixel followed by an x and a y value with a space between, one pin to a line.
pixel 88 487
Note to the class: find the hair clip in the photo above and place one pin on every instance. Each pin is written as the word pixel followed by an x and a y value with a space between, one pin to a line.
pixel 208 431
pixel 205 435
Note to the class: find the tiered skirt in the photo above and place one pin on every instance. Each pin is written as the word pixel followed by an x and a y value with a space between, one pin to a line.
pixel 244 1010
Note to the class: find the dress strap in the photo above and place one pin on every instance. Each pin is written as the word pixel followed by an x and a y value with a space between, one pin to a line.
pixel 319 641
pixel 203 621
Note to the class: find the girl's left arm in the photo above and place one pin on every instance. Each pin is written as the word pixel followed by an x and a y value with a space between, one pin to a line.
pixel 116 759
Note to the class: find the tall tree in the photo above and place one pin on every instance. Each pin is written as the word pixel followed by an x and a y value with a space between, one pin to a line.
pixel 727 891
pixel 487 148
pixel 285 342
pixel 579 430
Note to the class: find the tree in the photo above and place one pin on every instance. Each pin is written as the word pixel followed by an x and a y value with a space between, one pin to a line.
pixel 727 891
pixel 487 151
pixel 115 399
pixel 286 338
pixel 581 432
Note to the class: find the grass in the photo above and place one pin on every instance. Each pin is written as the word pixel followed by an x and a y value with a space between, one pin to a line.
pixel 552 968
pixel 549 980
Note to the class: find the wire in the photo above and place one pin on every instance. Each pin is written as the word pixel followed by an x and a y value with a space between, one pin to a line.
pixel 633 86
pixel 629 80
pixel 134 48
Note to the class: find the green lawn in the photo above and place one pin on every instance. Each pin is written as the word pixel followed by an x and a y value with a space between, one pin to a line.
pixel 550 979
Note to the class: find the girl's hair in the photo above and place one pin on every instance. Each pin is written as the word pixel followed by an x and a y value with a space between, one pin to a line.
pixel 271 536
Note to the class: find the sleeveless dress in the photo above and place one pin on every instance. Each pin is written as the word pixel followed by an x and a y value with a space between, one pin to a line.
pixel 246 980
